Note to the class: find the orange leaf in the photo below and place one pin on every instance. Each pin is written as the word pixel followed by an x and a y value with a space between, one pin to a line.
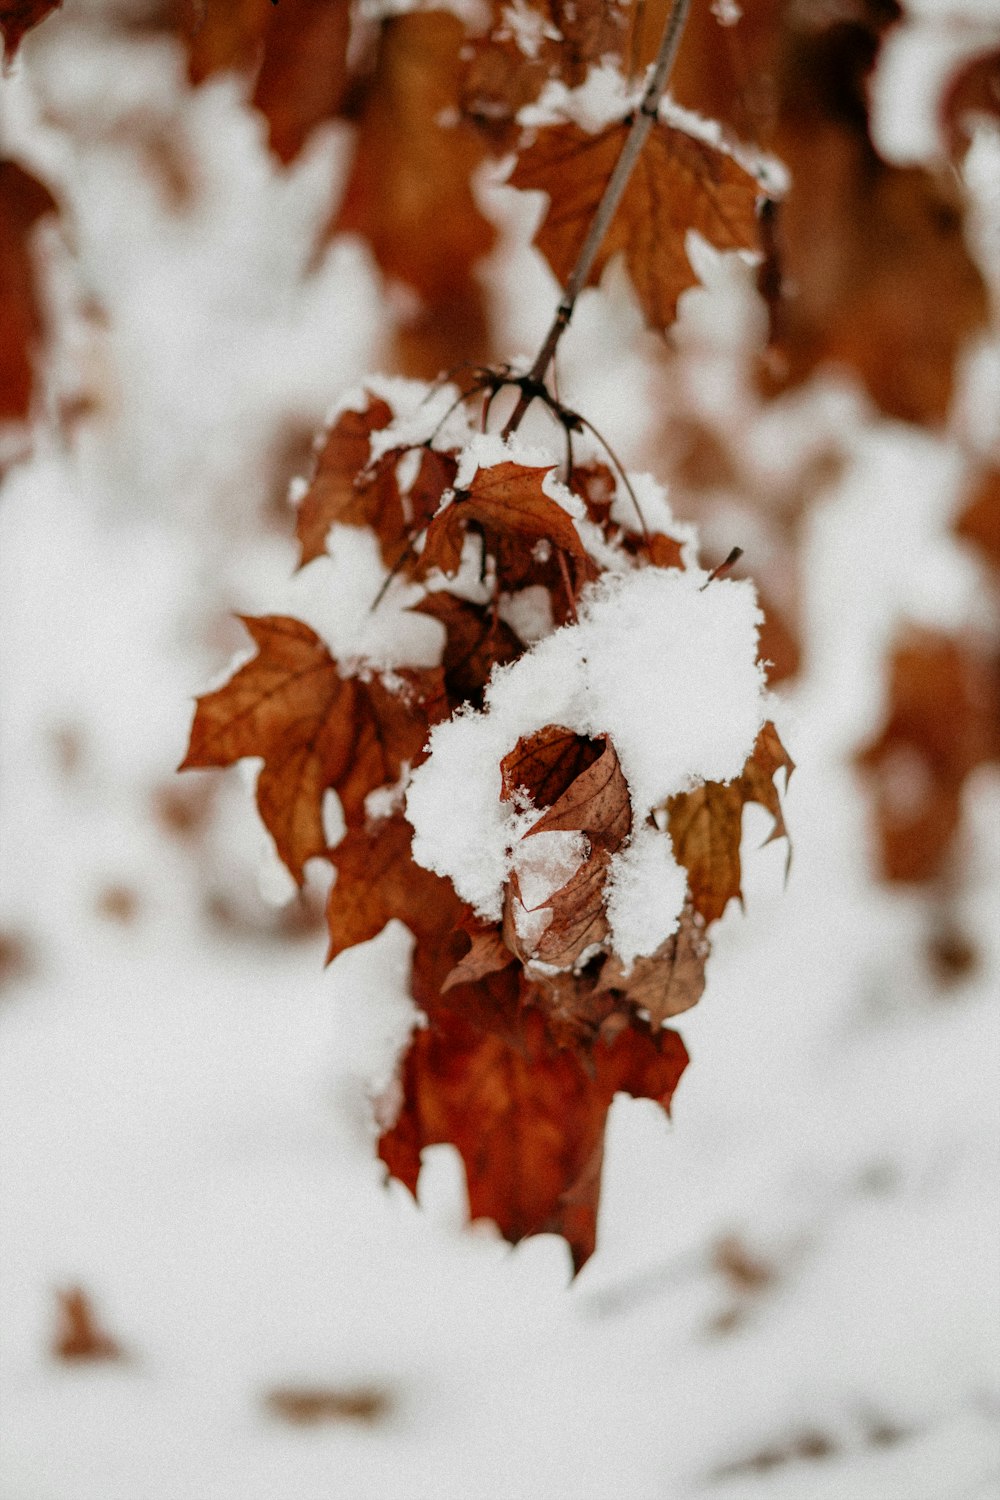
pixel 526 1116
pixel 679 183
pixel 706 824
pixel 980 520
pixel 23 200
pixel 301 49
pixel 409 193
pixel 314 728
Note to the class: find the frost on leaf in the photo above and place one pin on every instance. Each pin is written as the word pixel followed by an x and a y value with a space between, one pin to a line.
pixel 679 183
pixel 23 200
pixel 314 727
pixel 706 824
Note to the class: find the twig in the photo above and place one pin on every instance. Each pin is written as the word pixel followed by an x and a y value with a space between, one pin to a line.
pixel 642 123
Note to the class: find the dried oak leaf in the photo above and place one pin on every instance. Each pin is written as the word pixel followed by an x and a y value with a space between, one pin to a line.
pixel 18 17
pixel 300 49
pixel 23 200
pixel 314 728
pixel 706 823
pixel 527 1116
pixel 679 183
pixel 508 505
pixel 943 721
pixel 980 520
pixel 409 193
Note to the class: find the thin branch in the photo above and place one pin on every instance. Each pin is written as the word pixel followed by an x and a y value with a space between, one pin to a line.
pixel 642 123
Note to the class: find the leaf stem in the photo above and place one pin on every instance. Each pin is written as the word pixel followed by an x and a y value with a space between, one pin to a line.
pixel 642 123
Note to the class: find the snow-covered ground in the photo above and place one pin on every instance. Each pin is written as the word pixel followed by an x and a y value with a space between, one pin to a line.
pixel 796 1291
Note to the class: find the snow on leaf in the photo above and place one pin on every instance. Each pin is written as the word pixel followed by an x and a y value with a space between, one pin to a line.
pixel 706 824
pixel 314 727
pixel 526 1115
pixel 23 200
pixel 679 183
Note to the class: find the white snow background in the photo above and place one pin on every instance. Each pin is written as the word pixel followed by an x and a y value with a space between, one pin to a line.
pixel 185 1124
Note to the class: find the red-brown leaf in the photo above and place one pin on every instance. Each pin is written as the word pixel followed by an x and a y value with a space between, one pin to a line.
pixel 313 727
pixel 679 183
pixel 476 641
pixel 300 47
pixel 23 200
pixel 18 17
pixel 341 488
pixel 526 1116
pixel 980 520
pixel 409 193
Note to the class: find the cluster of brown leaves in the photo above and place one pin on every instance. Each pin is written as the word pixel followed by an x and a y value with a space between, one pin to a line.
pixel 527 1041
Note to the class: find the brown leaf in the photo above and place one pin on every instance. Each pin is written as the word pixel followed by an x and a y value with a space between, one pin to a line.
pixel 544 765
pixel 476 641
pixel 342 487
pixel 507 502
pixel 943 720
pixel 408 193
pixel 974 92
pixel 595 802
pixel 300 48
pixel 980 520
pixel 310 1405
pixel 861 244
pixel 488 954
pixel 314 728
pixel 679 183
pixel 526 1116
pixel 18 17
pixel 346 488
pixel 23 200
pixel 667 982
pixel 706 824
pixel 79 1335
